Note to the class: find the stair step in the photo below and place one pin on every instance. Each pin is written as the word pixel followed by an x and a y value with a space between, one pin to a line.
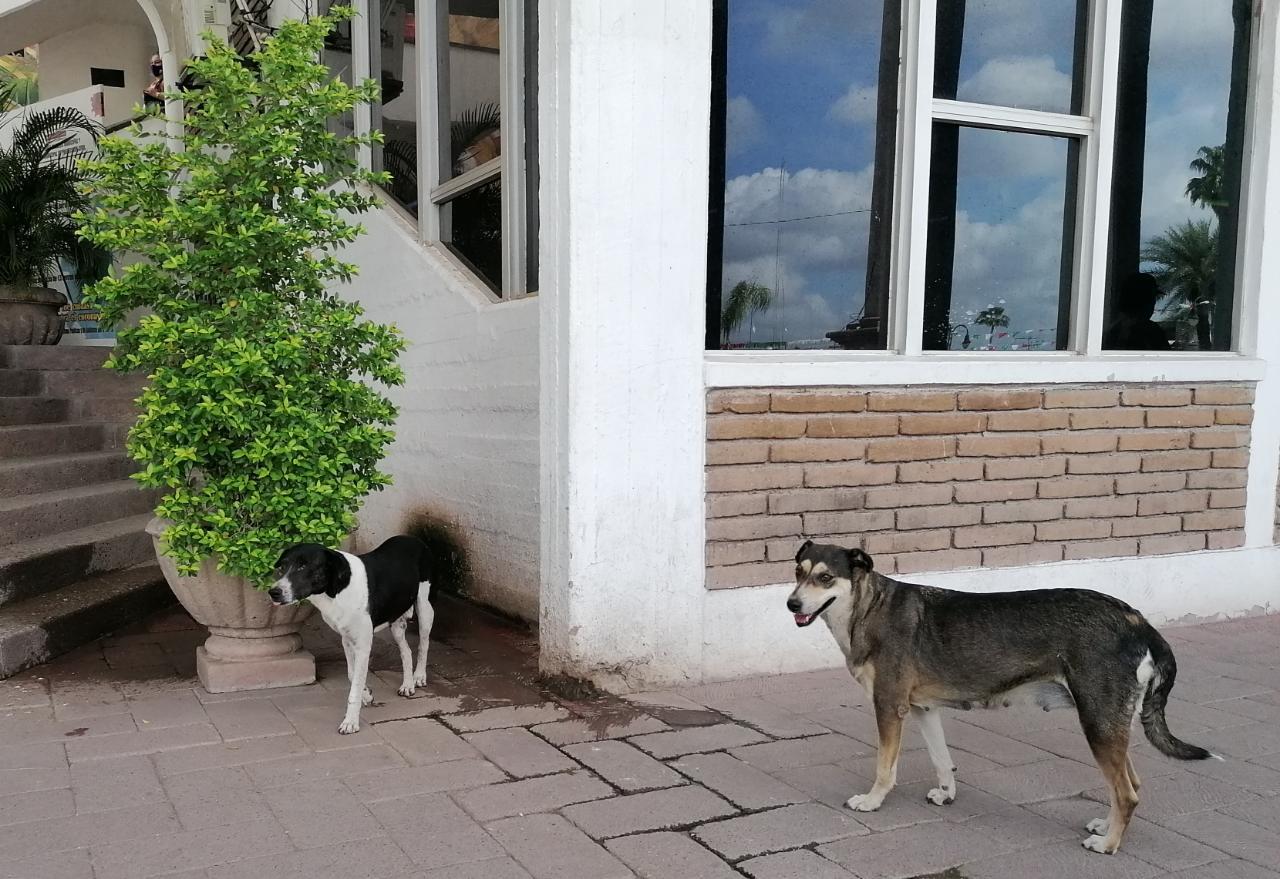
pixel 120 410
pixel 19 382
pixel 95 383
pixel 32 410
pixel 31 516
pixel 32 440
pixel 53 356
pixel 40 628
pixel 33 567
pixel 52 472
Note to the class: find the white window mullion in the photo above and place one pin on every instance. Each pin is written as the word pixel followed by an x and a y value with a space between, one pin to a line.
pixel 360 63
pixel 511 49
pixel 1095 216
pixel 1010 118
pixel 431 80
pixel 920 26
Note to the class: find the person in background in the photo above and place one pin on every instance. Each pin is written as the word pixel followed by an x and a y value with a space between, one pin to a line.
pixel 153 94
pixel 1133 329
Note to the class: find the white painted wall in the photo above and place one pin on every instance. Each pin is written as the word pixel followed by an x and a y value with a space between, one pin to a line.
pixel 467 439
pixel 126 43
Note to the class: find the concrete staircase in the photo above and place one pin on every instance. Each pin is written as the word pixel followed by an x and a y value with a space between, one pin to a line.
pixel 75 561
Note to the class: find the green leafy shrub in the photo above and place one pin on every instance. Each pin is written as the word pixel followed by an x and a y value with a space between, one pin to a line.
pixel 260 423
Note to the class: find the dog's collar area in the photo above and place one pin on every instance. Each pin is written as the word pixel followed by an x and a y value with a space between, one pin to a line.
pixel 804 619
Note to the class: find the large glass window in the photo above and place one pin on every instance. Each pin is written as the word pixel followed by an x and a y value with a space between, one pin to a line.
pixel 393 55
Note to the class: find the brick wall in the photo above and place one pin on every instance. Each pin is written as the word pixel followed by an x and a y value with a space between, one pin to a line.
pixel 937 479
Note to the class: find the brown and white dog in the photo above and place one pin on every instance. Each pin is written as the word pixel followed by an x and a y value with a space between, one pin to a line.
pixel 915 649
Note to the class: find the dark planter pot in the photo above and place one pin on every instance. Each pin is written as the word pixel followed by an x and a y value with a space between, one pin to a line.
pixel 30 315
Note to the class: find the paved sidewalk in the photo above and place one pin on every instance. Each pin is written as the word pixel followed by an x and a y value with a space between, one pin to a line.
pixel 114 763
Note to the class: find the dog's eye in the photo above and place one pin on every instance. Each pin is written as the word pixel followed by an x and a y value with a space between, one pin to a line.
pixel 825 578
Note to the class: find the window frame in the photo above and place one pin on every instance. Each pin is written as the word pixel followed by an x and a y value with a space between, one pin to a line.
pixel 1084 359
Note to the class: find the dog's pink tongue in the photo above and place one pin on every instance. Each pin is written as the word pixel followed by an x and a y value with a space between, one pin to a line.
pixel 803 619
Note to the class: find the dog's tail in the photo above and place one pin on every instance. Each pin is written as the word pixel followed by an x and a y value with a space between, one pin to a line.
pixel 1153 704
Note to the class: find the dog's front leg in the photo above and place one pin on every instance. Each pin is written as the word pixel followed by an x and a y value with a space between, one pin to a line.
pixel 931 728
pixel 357 646
pixel 889 714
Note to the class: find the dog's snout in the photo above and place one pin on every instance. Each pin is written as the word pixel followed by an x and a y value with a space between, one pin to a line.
pixel 793 604
pixel 274 594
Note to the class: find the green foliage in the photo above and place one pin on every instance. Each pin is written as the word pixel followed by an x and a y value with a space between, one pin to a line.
pixel 260 424
pixel 1186 257
pixel 1205 189
pixel 992 317
pixel 745 299
pixel 18 82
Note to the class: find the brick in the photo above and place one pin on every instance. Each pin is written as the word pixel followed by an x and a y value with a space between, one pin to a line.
pixel 999 399
pixel 1028 419
pixel 758 574
pixel 1029 468
pixel 607 724
pixel 318 813
pixel 395 784
pixel 1225 498
pixel 1088 508
pixel 1106 419
pixel 1173 543
pixel 998 446
pixel 1117 463
pixel 1242 415
pixel 1217 479
pixel 994 535
pixel 798 864
pixel 1030 554
pixel 828 426
pixel 147 741
pixel 519 752
pixel 1073 529
pixel 803 451
pixel 1080 442
pixel 1080 398
pixel 694 740
pixel 1139 483
pixel 737 452
pixel 662 855
pixel 818 402
pixel 498 718
pixel 1143 526
pixel 1231 458
pixel 549 847
pixel 852 474
pixel 735 553
pixel 1022 511
pixel 848 522
pixel 1160 396
pixel 738 782
pixel 624 766
pixel 946 423
pixel 1154 440
pixel 1100 549
pixel 917 401
pixel 721 506
pixel 1226 539
pixel 362 859
pixel 918 449
pixel 100 785
pixel 748 402
pixel 1174 502
pixel 655 810
pixel 940 560
pixel 940 471
pixel 1189 417
pixel 982 492
pixel 324 764
pixel 1224 395
pixel 812 500
pixel 777 830
pixel 1189 459
pixel 752 527
pixel 205 847
pixel 529 795
pixel 924 518
pixel 1076 486
pixel 1213 520
pixel 895 496
pixel 908 541
pixel 733 427
pixel 1219 439
pixel 754 478
pixel 247 718
pixel 782 550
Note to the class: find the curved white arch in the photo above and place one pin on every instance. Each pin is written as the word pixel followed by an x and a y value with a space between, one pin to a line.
pixel 164 47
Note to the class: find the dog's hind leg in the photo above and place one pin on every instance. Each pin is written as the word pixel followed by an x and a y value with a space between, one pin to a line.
pixel 426 616
pixel 1105 718
pixel 931 728
pixel 406 655
pixel 1134 780
pixel 889 715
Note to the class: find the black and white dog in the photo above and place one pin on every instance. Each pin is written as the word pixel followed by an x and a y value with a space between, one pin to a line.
pixel 361 594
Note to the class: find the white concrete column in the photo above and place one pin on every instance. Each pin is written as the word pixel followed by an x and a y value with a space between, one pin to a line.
pixel 624 105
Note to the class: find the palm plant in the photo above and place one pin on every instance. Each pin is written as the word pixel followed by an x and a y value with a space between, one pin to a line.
pixel 1206 189
pixel 1186 260
pixel 992 317
pixel 18 84
pixel 745 299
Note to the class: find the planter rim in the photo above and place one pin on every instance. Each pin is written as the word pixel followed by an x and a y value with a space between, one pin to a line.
pixel 31 295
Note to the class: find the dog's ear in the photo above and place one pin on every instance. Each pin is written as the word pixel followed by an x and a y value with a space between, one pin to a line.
pixel 859 559
pixel 804 546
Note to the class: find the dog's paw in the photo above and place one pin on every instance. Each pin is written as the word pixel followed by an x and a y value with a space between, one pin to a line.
pixel 349 726
pixel 941 797
pixel 420 679
pixel 1098 826
pixel 863 803
pixel 406 690
pixel 1098 844
pixel 366 698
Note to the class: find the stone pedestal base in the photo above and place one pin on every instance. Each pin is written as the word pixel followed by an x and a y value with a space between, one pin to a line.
pixel 229 676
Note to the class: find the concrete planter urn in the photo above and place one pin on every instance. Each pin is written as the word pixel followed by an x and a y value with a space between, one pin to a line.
pixel 252 644
pixel 30 315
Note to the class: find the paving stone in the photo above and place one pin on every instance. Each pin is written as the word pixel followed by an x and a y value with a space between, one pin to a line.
pixel 35 778
pixel 497 718
pixel 519 752
pixel 793 865
pixel 1060 859
pixel 247 719
pixel 1180 794
pixel 237 753
pixel 35 806
pixel 1014 827
pixel 326 764
pixel 47 755
pixel 215 797
pixel 1265 813
pixel 768 717
pixel 434 832
pixel 423 740
pixel 318 813
pixel 606 725
pixel 148 741
pixel 32 725
pixel 916 766
pixel 624 766
pixel 30 840
pixel 496 868
pixel 362 859
pixel 664 855
pixel 543 794
pixel 171 709
pixel 59 865
pixel 317 725
pixel 778 830
pixel 1213 688
pixel 789 753
pixel 665 745
pixel 912 851
pixel 832 786
pixel 997 748
pixel 1246 742
pixel 172 852
pixel 1226 870
pixel 1249 776
pixel 738 782
pixel 549 847
pixel 24 691
pixel 102 785
pixel 392 784
pixel 655 810
pixel 1034 782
